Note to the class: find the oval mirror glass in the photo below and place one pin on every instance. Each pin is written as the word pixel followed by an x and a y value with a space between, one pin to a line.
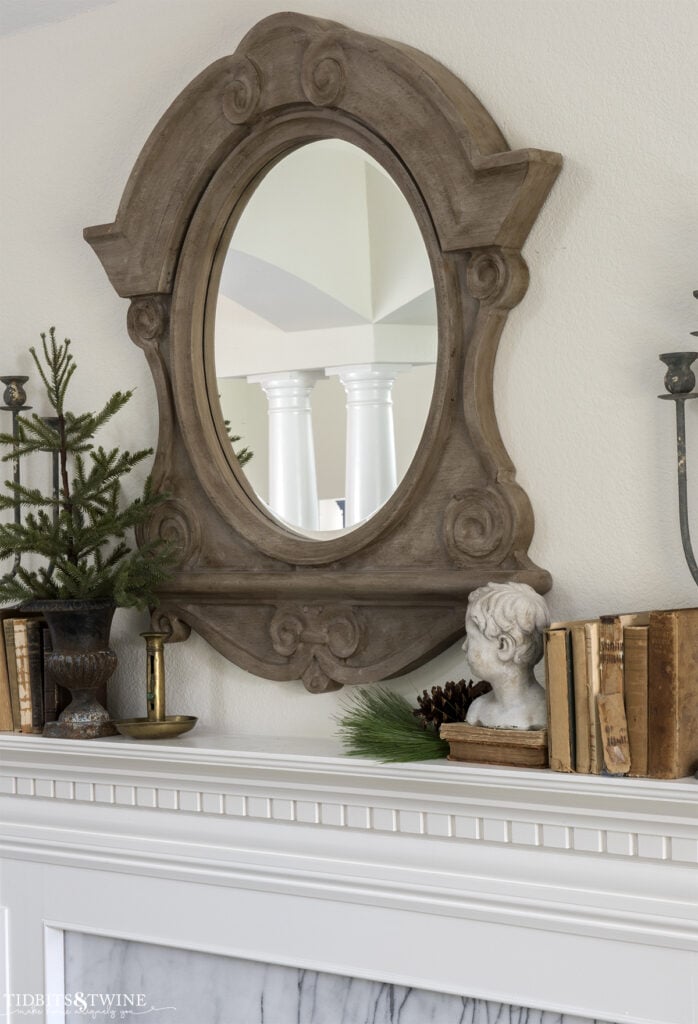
pixel 325 338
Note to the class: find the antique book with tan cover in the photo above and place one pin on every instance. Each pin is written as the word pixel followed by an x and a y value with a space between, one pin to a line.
pixel 635 676
pixel 673 693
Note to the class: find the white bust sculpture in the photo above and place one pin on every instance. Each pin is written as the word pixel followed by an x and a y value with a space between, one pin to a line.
pixel 504 627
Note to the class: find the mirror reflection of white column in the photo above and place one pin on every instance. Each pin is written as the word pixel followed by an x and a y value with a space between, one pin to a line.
pixel 292 477
pixel 371 473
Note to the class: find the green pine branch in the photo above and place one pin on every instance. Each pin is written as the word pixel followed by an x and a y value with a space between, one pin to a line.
pixel 25 496
pixel 243 455
pixel 60 367
pixel 380 724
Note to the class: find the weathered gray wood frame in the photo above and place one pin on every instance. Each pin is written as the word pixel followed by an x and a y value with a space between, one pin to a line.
pixel 382 598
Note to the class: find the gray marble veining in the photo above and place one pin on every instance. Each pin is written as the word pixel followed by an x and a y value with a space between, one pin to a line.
pixel 173 986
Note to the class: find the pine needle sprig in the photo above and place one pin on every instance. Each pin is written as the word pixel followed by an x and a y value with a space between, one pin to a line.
pixel 379 723
pixel 25 496
pixel 31 432
pixel 61 366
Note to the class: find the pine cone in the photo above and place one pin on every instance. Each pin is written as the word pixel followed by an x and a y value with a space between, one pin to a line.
pixel 448 703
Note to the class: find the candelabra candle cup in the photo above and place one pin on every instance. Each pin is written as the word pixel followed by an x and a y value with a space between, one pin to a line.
pixel 679 378
pixel 14 396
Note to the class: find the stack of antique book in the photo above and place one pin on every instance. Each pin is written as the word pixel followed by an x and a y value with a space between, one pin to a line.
pixel 623 694
pixel 28 696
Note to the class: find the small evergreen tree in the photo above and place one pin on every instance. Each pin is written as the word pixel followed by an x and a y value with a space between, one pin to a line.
pixel 82 531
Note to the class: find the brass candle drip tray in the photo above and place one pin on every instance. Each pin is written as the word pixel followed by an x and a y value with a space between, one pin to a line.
pixel 152 729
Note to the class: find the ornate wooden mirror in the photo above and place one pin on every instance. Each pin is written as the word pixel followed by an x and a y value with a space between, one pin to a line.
pixel 222 261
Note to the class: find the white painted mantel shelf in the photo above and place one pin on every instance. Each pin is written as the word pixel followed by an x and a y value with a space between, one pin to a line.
pixel 575 894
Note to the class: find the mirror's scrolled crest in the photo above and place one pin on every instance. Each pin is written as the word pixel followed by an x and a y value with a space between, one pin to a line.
pixel 384 597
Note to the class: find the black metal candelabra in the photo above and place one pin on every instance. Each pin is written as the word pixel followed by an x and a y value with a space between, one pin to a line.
pixel 15 398
pixel 680 381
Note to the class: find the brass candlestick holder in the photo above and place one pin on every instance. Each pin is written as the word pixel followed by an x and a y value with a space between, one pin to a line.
pixel 158 725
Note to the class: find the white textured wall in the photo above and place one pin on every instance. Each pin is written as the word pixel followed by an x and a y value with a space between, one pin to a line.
pixel 611 86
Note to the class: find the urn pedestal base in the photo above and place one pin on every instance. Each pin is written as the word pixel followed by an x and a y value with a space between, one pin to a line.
pixel 85 675
pixel 69 731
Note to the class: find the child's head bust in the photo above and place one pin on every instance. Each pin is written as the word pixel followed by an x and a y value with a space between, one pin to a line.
pixel 512 616
pixel 504 627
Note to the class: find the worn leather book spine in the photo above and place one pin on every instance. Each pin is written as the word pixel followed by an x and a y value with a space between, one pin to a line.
pixel 558 675
pixel 591 634
pixel 581 698
pixel 610 703
pixel 23 674
pixel 610 654
pixel 36 682
pixel 6 720
pixel 9 631
pixel 635 685
pixel 673 694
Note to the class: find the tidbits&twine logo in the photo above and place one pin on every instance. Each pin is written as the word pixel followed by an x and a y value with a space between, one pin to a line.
pixel 90 1005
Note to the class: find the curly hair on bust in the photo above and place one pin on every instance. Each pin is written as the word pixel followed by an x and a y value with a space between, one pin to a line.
pixel 514 609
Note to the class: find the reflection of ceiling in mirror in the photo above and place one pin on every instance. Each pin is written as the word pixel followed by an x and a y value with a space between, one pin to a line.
pixel 283 299
pixel 329 257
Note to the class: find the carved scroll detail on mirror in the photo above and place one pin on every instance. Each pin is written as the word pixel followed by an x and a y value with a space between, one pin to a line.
pixel 148 320
pixel 477 526
pixel 316 637
pixel 383 597
pixel 323 71
pixel 497 278
pixel 242 95
pixel 172 522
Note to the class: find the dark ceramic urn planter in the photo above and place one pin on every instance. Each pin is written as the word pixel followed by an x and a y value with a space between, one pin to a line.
pixel 82 662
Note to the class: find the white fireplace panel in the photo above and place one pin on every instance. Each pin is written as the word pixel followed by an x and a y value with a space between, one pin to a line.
pixel 175 986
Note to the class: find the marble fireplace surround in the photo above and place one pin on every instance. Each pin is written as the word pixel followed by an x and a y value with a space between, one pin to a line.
pixel 573 894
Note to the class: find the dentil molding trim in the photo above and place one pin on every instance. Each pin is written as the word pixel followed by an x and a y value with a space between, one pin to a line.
pixel 308 782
